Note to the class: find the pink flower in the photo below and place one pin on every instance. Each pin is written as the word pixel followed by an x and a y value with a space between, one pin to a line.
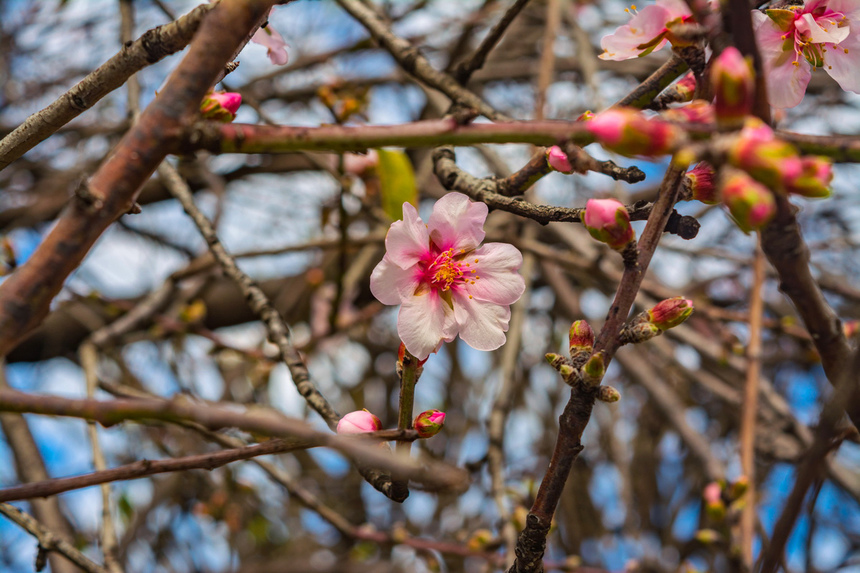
pixel 608 221
pixel 794 40
pixel 429 423
pixel 221 106
pixel 647 31
pixel 275 44
pixel 444 281
pixel 359 422
pixel 358 164
pixel 557 159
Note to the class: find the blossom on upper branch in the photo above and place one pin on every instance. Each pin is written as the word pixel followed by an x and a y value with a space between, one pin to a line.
pixel 796 39
pixel 445 282
pixel 648 30
pixel 275 44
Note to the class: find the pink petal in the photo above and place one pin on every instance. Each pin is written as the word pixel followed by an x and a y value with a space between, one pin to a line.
pixel 845 67
pixel 786 83
pixel 407 241
pixel 390 284
pixel 497 265
pixel 457 222
pixel 675 8
pixel 482 324
pixel 274 42
pixel 649 23
pixel 849 8
pixel 425 321
pixel 818 34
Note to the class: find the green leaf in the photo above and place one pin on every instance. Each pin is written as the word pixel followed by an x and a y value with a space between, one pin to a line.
pixel 396 182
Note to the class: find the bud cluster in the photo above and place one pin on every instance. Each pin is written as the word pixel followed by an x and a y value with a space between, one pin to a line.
pixel 646 325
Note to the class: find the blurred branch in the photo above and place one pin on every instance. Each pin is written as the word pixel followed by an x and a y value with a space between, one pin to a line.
pixel 463 72
pixel 49 542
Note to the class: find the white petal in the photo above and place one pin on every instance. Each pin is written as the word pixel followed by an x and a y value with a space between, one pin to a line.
pixel 457 222
pixel 425 321
pixel 407 240
pixel 819 34
pixel 390 284
pixel 497 265
pixel 842 62
pixel 482 324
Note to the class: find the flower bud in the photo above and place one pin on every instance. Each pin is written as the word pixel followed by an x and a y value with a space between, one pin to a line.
pixel 733 80
pixel 814 178
pixel 568 374
pixel 708 536
pixel 629 132
pixel 220 106
pixel 750 203
pixel 608 221
pixel 555 360
pixel 850 328
pixel 712 493
pixel 702 184
pixel 358 422
pixel 685 87
pixel 608 394
pixel 638 331
pixel 594 369
pixel 429 423
pixel 359 164
pixel 767 159
pixel 587 115
pixel 581 339
pixel 557 160
pixel 670 312
pixel 698 111
pixel 480 539
pixel 738 488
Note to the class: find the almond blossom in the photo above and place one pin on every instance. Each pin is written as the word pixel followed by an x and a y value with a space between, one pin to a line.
pixel 276 46
pixel 648 30
pixel 446 283
pixel 796 39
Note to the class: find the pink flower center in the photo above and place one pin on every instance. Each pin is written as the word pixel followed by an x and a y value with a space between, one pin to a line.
pixel 814 32
pixel 448 270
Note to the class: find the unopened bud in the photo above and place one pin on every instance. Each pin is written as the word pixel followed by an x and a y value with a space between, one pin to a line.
pixel 707 536
pixel 686 86
pixel 766 159
pixel 608 221
pixel 608 394
pixel 568 374
pixel 670 312
pixel 587 115
pixel 220 106
pixel 594 369
pixel 359 422
pixel 638 330
pixel 429 423
pixel 697 111
pixel 629 132
pixel 716 511
pixel 738 488
pixel 750 203
pixel 555 360
pixel 557 160
pixel 814 179
pixel 850 328
pixel 713 492
pixel 480 539
pixel 702 184
pixel 733 80
pixel 581 338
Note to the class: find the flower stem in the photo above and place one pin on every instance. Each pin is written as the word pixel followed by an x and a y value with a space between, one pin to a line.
pixel 409 371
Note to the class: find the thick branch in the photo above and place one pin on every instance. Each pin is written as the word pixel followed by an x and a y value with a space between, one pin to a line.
pixel 152 46
pixel 26 295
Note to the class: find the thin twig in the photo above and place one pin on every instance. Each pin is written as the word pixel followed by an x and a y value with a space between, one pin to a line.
pixel 48 541
pixel 750 408
pixel 463 72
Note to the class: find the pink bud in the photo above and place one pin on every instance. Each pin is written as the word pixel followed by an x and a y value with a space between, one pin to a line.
pixel 670 312
pixel 814 179
pixel 686 86
pixel 697 111
pixel 703 185
pixel 767 159
pixel 359 422
pixel 712 493
pixel 429 423
pixel 557 160
pixel 358 164
pixel 629 132
pixel 608 221
pixel 734 86
pixel 750 203
pixel 850 328
pixel 221 106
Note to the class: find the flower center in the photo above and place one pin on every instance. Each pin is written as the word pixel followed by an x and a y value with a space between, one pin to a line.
pixel 446 271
